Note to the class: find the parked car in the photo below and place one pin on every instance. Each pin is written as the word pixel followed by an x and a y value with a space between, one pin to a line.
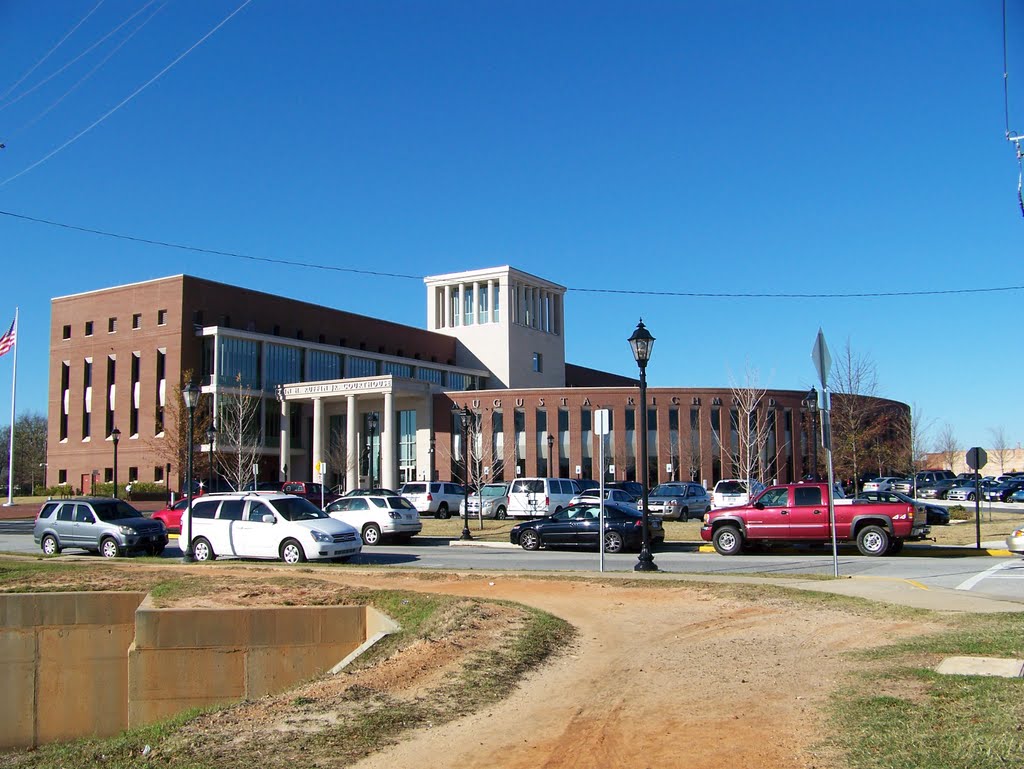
pixel 885 483
pixel 104 525
pixel 904 486
pixel 936 489
pixel 1017 496
pixel 266 525
pixel 439 499
pixel 610 495
pixel 630 487
pixel 376 492
pixel 679 500
pixel 966 490
pixel 1015 542
pixel 171 516
pixel 579 526
pixel 376 517
pixel 1001 491
pixel 927 477
pixel 314 492
pixel 495 502
pixel 732 492
pixel 535 497
pixel 937 515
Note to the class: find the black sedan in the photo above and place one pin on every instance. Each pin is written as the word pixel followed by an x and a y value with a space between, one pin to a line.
pixel 936 490
pixel 579 526
pixel 937 516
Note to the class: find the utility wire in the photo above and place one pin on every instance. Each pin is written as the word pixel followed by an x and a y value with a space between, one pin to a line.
pixel 88 74
pixel 86 52
pixel 131 96
pixel 61 42
pixel 378 273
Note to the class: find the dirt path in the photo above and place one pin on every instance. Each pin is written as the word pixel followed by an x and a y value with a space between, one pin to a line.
pixel 658 678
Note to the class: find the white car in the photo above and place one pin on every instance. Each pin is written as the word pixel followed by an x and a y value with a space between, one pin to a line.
pixel 439 499
pixel 885 483
pixel 495 502
pixel 1015 542
pixel 266 525
pixel 375 517
pixel 610 495
pixel 733 492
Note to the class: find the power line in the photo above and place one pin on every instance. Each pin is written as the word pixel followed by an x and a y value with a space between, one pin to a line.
pixel 47 55
pixel 131 96
pixel 622 291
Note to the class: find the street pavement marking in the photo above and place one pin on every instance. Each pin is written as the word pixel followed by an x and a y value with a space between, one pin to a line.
pixel 969 584
pixel 915 583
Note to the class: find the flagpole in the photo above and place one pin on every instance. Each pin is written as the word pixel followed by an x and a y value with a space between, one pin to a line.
pixel 14 389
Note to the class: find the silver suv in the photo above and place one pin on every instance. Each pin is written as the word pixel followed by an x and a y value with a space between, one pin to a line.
pixel 681 501
pixel 438 499
pixel 108 526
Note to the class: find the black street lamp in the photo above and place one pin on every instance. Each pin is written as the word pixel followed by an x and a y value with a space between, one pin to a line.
pixel 551 446
pixel 465 417
pixel 642 343
pixel 810 403
pixel 190 393
pixel 211 436
pixel 115 435
pixel 371 428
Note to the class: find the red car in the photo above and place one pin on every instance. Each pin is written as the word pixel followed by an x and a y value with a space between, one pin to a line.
pixel 171 516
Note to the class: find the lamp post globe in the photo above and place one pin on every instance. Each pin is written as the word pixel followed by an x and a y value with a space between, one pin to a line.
pixel 190 394
pixel 642 344
pixel 115 436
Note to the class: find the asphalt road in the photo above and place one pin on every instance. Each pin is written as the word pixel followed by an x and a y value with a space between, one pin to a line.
pixel 995 577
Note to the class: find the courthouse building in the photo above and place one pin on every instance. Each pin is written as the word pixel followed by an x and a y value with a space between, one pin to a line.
pixel 374 397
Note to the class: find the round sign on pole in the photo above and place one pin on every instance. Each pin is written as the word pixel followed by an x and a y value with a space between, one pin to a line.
pixel 976 458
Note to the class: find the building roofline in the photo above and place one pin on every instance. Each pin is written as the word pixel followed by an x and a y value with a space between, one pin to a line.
pixel 168 278
pixel 493 272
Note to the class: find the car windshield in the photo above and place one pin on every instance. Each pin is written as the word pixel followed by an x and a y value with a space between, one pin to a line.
pixel 115 510
pixel 731 487
pixel 298 509
pixel 668 490
pixel 493 490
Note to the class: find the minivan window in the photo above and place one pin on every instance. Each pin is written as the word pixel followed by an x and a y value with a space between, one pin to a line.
pixel 298 509
pixel 231 509
pixel 205 509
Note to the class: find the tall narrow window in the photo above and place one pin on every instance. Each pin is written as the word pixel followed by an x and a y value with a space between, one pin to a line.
pixel 543 460
pixel 87 399
pixel 161 390
pixel 519 417
pixel 631 450
pixel 586 443
pixel 695 466
pixel 111 393
pixel 497 446
pixel 133 412
pixel 673 443
pixel 65 398
pixel 563 443
pixel 716 445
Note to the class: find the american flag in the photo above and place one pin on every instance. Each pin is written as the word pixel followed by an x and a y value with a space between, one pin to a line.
pixel 8 339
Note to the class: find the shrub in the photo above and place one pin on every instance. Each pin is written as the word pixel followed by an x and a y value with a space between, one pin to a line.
pixel 960 513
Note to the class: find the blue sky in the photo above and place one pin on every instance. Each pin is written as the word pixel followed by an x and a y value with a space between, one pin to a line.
pixel 724 148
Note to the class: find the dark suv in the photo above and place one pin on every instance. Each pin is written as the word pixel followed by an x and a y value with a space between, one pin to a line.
pixel 108 526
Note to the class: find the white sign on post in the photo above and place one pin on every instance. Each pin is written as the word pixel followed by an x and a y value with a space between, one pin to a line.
pixel 601 427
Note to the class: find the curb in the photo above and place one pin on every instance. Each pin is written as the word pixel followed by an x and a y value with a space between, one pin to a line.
pixel 965 551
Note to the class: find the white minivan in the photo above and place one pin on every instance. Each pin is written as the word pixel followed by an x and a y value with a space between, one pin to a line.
pixel 266 525
pixel 537 497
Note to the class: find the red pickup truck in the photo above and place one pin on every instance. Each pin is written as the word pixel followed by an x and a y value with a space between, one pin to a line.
pixel 798 512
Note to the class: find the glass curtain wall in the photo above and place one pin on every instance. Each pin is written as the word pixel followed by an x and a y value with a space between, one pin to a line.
pixel 497 446
pixel 563 443
pixel 543 468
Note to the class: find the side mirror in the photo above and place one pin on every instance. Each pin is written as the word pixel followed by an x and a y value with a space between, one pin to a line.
pixel 759 505
pixel 269 518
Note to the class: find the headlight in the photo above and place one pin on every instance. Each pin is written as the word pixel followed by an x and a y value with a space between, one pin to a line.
pixel 1018 533
pixel 488 506
pixel 126 530
pixel 706 518
pixel 320 536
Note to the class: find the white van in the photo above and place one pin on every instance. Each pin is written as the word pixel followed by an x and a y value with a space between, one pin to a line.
pixel 537 497
pixel 266 525
pixel 733 492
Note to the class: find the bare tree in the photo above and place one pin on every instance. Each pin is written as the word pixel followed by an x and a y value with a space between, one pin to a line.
pixel 170 444
pixel 854 419
pixel 948 446
pixel 920 426
pixel 754 430
pixel 338 458
pixel 1001 448
pixel 237 434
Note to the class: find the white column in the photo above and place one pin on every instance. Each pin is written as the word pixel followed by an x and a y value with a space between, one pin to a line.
pixel 424 431
pixel 351 444
pixel 459 311
pixel 476 302
pixel 286 440
pixel 492 315
pixel 318 434
pixel 388 439
pixel 446 313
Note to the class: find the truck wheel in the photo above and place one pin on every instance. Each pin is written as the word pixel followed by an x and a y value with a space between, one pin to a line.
pixel 109 548
pixel 873 540
pixel 501 514
pixel 50 545
pixel 728 540
pixel 442 511
pixel 371 534
pixel 895 546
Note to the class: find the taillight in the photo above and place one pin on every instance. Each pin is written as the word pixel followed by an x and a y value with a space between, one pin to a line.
pixel 639 522
pixel 430 497
pixel 547 502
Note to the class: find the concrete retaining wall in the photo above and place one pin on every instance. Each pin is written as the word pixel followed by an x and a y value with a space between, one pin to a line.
pixel 83 664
